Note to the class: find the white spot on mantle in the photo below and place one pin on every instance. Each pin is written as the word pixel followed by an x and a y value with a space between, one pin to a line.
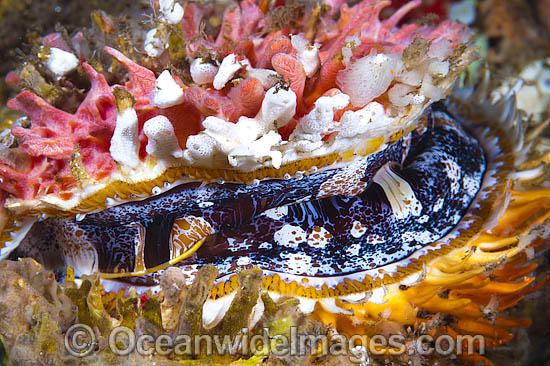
pixel 276 213
pixel 290 236
pixel 358 229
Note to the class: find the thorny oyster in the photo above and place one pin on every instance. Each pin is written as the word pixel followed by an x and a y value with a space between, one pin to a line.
pixel 297 150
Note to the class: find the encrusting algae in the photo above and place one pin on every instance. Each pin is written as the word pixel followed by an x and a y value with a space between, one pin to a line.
pixel 262 170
